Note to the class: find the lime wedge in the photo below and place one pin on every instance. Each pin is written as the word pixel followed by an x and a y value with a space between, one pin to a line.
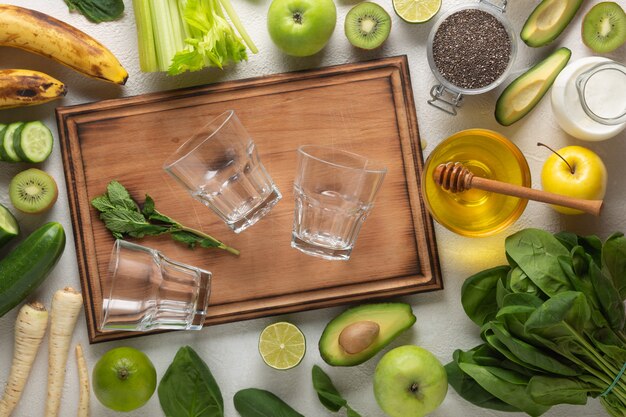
pixel 282 345
pixel 416 11
pixel 8 225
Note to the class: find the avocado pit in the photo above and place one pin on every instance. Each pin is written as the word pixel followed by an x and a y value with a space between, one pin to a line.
pixel 358 336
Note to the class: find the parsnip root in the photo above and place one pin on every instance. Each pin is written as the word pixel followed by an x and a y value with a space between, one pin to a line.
pixel 83 383
pixel 30 328
pixel 66 305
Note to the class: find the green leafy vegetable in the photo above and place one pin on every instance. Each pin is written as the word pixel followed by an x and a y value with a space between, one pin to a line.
pixel 478 294
pixel 328 395
pixel 188 388
pixel 98 10
pixel 122 216
pixel 553 325
pixel 189 35
pixel 253 402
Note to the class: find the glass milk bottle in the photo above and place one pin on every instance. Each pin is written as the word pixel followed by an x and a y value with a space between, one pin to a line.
pixel 589 98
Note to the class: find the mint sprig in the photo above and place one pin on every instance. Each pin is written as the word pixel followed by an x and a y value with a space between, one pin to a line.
pixel 123 217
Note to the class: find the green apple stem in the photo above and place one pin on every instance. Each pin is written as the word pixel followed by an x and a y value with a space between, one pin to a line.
pixel 571 168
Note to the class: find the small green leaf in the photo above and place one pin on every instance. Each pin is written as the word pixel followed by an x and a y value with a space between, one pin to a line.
pixel 326 391
pixel 102 203
pixel 98 10
pixel 118 195
pixel 123 221
pixel 253 402
pixel 188 388
pixel 328 394
pixel 478 294
pixel 148 206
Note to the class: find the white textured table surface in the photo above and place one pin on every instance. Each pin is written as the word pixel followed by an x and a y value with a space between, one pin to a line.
pixel 231 349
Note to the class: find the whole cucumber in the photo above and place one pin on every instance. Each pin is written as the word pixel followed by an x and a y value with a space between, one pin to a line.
pixel 26 267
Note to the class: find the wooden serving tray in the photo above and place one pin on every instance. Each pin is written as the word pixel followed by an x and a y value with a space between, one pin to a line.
pixel 366 108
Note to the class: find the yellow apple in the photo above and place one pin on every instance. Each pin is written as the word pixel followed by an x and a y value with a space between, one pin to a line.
pixel 585 177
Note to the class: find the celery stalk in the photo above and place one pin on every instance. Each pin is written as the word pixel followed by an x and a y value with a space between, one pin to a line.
pixel 145 36
pixel 235 19
pixel 166 40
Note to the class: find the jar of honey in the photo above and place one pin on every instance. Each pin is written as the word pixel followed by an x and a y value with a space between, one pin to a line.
pixel 476 213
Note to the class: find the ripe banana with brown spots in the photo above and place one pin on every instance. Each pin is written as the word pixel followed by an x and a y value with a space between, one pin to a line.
pixel 20 87
pixel 42 34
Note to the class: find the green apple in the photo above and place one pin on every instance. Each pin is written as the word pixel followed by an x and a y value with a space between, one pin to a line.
pixel 585 177
pixel 301 27
pixel 409 381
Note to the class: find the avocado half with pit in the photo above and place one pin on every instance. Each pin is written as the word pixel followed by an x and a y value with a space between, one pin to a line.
pixel 361 332
pixel 548 20
pixel 523 94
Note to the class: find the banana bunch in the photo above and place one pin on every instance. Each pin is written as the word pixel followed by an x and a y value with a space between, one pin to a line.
pixel 20 87
pixel 44 35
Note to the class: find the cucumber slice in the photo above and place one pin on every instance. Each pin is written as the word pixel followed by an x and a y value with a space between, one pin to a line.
pixel 6 147
pixel 8 226
pixel 2 129
pixel 33 142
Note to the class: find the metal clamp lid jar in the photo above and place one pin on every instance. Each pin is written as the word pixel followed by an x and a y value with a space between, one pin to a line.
pixel 447 95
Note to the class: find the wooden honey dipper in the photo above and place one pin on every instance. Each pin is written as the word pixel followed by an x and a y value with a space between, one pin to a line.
pixel 455 177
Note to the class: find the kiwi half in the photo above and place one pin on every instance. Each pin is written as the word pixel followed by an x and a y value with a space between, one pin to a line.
pixel 604 27
pixel 33 191
pixel 367 25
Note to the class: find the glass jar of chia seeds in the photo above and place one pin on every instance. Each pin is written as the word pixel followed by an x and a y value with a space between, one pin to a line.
pixel 471 50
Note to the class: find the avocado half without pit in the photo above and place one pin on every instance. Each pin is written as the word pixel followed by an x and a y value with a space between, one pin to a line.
pixel 361 332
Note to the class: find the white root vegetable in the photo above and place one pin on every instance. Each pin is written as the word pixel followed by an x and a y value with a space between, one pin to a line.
pixel 83 383
pixel 66 305
pixel 30 328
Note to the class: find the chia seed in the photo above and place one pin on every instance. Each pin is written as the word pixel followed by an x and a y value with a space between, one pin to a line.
pixel 471 49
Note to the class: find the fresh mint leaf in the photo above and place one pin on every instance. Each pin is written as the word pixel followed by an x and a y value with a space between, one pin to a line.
pixel 102 203
pixel 328 394
pixel 148 206
pixel 119 197
pixel 185 237
pixel 162 218
pixel 123 221
pixel 122 217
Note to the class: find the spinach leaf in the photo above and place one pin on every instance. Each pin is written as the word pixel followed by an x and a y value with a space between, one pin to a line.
pixel 471 391
pixel 536 252
pixel 552 391
pixel 478 294
pixel 328 395
pixel 253 402
pixel 532 355
pixel 610 300
pixel 560 316
pixel 98 10
pixel 509 392
pixel 614 260
pixel 188 388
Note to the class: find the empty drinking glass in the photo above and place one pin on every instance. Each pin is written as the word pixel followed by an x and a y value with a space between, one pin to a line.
pixel 220 166
pixel 144 290
pixel 334 192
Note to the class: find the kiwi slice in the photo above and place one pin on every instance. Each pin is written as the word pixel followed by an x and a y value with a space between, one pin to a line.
pixel 367 25
pixel 33 191
pixel 604 27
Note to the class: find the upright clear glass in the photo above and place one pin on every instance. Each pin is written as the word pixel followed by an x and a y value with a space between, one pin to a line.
pixel 334 192
pixel 144 291
pixel 220 166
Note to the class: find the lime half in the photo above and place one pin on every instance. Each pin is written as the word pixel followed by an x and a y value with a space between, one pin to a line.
pixel 282 345
pixel 8 225
pixel 416 11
